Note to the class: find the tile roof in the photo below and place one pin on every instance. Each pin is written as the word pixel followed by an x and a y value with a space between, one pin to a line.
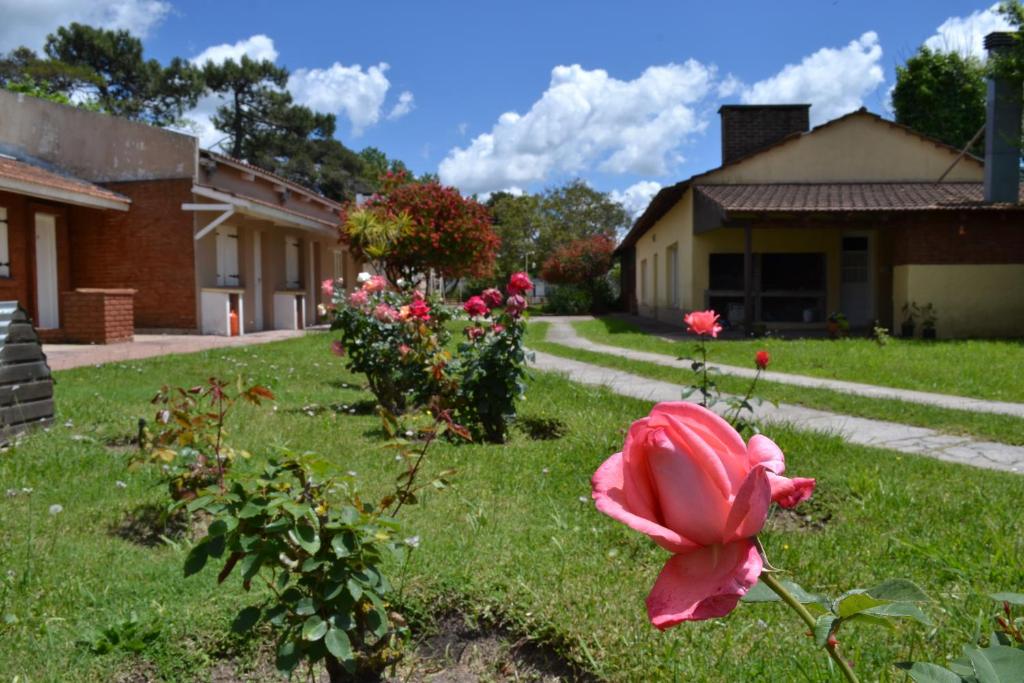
pixel 844 197
pixel 25 176
pixel 271 205
pixel 252 168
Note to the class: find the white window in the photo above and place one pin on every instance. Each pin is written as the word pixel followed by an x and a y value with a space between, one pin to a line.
pixel 5 252
pixel 339 264
pixel 643 281
pixel 227 256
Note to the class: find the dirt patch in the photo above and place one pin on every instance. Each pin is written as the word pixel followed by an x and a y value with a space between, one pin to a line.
pixel 811 515
pixel 542 428
pixel 149 525
pixel 141 671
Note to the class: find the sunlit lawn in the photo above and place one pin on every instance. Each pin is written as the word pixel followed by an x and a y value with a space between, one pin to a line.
pixel 980 368
pixel 515 539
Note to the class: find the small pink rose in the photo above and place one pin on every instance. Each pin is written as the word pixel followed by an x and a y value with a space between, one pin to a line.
pixel 474 333
pixel 686 479
pixel 476 306
pixel 385 313
pixel 519 283
pixel 515 305
pixel 327 287
pixel 358 298
pixel 492 297
pixel 703 323
pixel 337 348
pixel 375 284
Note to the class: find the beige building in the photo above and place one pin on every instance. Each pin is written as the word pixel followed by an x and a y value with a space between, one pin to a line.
pixel 859 215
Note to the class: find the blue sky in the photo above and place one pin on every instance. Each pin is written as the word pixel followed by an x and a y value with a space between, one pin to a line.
pixel 526 95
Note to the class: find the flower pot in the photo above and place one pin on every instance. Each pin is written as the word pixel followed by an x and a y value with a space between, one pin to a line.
pixel 833 329
pixel 907 330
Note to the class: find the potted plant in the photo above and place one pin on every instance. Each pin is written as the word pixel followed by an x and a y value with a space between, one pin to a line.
pixel 838 325
pixel 928 320
pixel 911 312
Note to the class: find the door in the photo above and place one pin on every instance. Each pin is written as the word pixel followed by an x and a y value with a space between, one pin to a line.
pixel 291 263
pixel 672 279
pixel 857 286
pixel 46 271
pixel 227 256
pixel 257 278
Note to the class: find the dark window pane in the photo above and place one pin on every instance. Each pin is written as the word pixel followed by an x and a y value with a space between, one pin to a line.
pixel 792 272
pixel 726 271
pixel 788 309
pixel 855 244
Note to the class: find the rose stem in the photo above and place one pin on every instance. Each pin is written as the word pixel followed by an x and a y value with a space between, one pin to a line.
pixel 788 598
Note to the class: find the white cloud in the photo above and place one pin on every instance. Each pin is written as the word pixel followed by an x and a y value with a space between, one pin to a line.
pixel 403 106
pixel 835 81
pixel 587 118
pixel 729 86
pixel 259 47
pixel 462 128
pixel 966 35
pixel 637 196
pixel 27 22
pixel 344 89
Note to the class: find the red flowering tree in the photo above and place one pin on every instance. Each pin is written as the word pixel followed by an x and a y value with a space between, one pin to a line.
pixel 579 262
pixel 413 227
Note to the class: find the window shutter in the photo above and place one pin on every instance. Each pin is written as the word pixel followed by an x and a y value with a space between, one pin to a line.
pixel 5 252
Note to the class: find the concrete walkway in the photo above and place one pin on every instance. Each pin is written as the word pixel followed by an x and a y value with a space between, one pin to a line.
pixel 562 332
pixel 64 356
pixel 862 431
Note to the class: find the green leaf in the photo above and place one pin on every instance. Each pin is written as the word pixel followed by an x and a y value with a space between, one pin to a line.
pixel 333 590
pixel 898 590
pixel 377 622
pixel 196 559
pixel 343 620
pixel 250 565
pixel 852 603
pixel 305 537
pixel 217 528
pixel 823 627
pixel 215 548
pixel 900 610
pixel 288 656
pixel 762 593
pixel 996 663
pixel 923 672
pixel 314 628
pixel 355 589
pixel 339 645
pixel 251 509
pixel 1012 598
pixel 340 544
pixel 245 619
pixel 305 607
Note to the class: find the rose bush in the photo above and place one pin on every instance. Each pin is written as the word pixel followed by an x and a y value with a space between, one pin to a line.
pixel 685 478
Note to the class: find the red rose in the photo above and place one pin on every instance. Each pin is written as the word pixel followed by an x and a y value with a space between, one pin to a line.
pixel 475 306
pixel 519 283
pixel 492 297
pixel 418 308
pixel 761 359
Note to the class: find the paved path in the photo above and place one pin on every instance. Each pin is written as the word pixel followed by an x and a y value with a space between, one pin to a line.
pixel 876 433
pixel 64 356
pixel 562 332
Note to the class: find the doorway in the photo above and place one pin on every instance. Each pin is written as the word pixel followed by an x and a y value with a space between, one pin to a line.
pixel 46 272
pixel 227 256
pixel 857 280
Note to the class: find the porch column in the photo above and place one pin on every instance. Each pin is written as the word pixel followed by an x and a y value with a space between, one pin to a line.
pixel 748 280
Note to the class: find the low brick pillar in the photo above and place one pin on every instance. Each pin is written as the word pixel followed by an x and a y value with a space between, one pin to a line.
pixel 98 316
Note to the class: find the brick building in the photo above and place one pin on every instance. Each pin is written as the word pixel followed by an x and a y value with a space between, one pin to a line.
pixel 108 225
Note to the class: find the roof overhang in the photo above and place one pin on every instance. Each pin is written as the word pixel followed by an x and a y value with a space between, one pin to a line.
pixel 259 210
pixel 63 195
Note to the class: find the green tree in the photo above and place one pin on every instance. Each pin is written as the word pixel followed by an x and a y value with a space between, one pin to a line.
pixel 108 68
pixel 574 211
pixel 376 164
pixel 516 221
pixel 942 94
pixel 255 102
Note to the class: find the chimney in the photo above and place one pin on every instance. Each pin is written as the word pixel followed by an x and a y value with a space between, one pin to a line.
pixel 1002 129
pixel 747 128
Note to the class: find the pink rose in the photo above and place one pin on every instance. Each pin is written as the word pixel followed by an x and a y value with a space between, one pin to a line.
pixel 403 350
pixel 515 305
pixel 358 298
pixel 519 283
pixel 385 313
pixel 474 333
pixel 375 284
pixel 498 329
pixel 475 306
pixel 703 323
pixel 337 348
pixel 492 297
pixel 685 478
pixel 417 308
pixel 327 287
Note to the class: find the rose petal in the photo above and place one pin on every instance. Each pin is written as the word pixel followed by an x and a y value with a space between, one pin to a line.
pixel 750 508
pixel 610 498
pixel 790 492
pixel 763 451
pixel 703 584
pixel 716 432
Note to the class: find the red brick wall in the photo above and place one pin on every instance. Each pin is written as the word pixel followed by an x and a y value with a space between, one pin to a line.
pixel 148 248
pixel 98 316
pixel 970 238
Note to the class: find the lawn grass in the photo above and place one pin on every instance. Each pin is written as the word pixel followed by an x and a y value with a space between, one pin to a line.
pixel 987 426
pixel 988 369
pixel 516 538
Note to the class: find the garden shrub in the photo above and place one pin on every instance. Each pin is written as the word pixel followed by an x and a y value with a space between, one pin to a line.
pixel 569 300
